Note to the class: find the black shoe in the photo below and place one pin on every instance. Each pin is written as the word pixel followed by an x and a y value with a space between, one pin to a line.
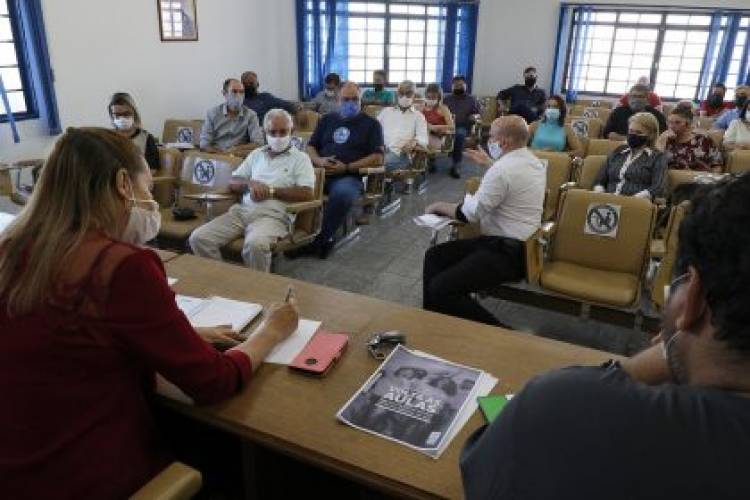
pixel 324 249
pixel 311 249
pixel 455 173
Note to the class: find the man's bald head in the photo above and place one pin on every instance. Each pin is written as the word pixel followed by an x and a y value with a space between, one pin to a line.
pixel 511 130
pixel 349 90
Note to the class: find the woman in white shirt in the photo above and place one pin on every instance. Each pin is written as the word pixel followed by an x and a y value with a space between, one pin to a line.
pixel 737 135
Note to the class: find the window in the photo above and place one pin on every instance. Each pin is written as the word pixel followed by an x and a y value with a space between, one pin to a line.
pixel 678 51
pixel 177 20
pixel 404 40
pixel 12 68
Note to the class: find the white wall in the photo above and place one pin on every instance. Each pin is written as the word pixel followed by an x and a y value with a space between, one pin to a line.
pixel 514 34
pixel 101 46
pixel 98 47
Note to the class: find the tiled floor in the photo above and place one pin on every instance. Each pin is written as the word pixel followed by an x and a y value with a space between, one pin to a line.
pixel 386 262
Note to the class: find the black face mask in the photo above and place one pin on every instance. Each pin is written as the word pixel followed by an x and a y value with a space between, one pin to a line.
pixel 715 100
pixel 379 87
pixel 459 91
pixel 530 81
pixel 251 90
pixel 740 101
pixel 636 140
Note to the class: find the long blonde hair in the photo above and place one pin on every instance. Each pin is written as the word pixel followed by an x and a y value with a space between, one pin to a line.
pixel 76 193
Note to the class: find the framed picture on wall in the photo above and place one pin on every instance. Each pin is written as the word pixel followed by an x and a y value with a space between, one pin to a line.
pixel 178 20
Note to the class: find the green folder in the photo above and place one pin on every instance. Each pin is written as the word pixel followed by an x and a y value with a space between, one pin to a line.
pixel 491 406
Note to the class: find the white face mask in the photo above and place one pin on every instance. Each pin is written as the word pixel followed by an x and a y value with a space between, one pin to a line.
pixel 494 149
pixel 143 224
pixel 123 122
pixel 405 102
pixel 278 144
pixel 430 103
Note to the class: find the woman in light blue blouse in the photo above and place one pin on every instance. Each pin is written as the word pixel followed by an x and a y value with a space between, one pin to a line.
pixel 551 133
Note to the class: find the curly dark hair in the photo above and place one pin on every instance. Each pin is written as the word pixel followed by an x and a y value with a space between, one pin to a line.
pixel 714 240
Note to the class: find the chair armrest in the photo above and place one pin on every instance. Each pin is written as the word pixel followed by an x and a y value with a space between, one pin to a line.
pixel 209 196
pixel 302 206
pixel 176 482
pixel 371 170
pixel 568 185
pixel 164 179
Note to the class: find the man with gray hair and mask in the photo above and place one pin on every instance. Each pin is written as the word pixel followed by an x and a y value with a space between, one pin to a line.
pixel 268 179
pixel 616 128
pixel 404 129
pixel 231 127
pixel 508 208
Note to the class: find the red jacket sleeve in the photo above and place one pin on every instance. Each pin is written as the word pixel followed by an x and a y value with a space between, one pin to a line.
pixel 144 319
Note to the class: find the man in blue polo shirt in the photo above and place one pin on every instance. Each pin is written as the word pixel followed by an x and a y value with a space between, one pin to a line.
pixel 342 143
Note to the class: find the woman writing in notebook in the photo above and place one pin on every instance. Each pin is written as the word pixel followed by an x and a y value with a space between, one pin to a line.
pixel 87 319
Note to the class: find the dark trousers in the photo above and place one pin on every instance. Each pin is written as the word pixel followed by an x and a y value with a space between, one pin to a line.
pixel 455 269
pixel 458 144
pixel 342 193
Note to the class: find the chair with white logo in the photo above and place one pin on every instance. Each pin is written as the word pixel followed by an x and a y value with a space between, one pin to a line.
pixel 182 133
pixel 203 186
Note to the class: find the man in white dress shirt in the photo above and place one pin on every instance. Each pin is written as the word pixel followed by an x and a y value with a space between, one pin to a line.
pixel 508 208
pixel 269 178
pixel 404 129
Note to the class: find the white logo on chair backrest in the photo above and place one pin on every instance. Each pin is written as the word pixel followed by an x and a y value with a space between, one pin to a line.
pixel 204 172
pixel 590 113
pixel 580 128
pixel 602 220
pixel 298 142
pixel 185 135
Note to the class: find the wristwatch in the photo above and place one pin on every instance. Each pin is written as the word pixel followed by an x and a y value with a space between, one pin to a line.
pixel 272 192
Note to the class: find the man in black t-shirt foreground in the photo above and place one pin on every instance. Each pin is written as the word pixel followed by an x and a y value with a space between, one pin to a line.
pixel 671 422
pixel 342 143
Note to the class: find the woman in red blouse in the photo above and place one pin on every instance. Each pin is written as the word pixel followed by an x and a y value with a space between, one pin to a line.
pixel 87 319
pixel 686 149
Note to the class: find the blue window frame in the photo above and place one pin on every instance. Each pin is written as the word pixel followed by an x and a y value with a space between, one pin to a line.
pixel 13 66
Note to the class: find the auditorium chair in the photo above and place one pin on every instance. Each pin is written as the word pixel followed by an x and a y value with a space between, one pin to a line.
pixel 372 110
pixel 307 221
pixel 599 113
pixel 584 177
pixel 592 266
pixel 202 185
pixel 576 110
pixel 12 177
pixel 738 161
pixel 585 128
pixel 176 482
pixel 666 267
pixel 666 109
pixel 595 103
pixel 182 132
pixel 170 163
pixel 704 123
pixel 305 121
pixel 602 146
pixel 559 167
pixel 659 245
pixel 717 137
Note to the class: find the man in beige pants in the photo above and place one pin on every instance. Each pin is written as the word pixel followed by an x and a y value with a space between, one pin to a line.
pixel 269 178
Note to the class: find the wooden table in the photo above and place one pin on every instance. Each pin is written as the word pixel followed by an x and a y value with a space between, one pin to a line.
pixel 295 414
pixel 165 255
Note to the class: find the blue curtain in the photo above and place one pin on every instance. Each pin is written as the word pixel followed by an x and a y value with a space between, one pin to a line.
pixel 743 78
pixel 564 27
pixel 713 52
pixel 464 42
pixel 35 45
pixel 322 44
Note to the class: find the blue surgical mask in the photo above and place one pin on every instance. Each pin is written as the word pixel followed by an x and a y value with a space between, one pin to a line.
pixel 494 150
pixel 552 114
pixel 349 109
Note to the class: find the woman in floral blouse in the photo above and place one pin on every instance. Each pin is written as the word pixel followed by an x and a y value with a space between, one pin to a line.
pixel 685 148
